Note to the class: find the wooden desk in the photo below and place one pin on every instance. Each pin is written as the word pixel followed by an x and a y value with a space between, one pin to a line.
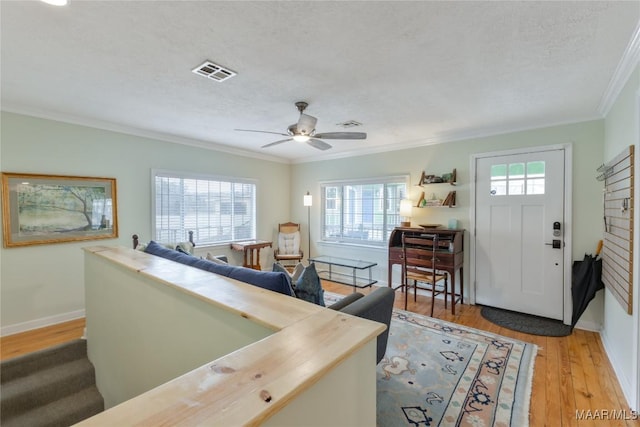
pixel 450 254
pixel 249 247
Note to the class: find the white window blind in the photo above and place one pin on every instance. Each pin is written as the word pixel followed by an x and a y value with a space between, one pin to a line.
pixel 217 210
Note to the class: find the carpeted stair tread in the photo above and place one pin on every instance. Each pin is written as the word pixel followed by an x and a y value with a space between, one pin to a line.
pixel 61 413
pixel 45 386
pixel 42 359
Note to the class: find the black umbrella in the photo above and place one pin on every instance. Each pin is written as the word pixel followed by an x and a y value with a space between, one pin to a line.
pixel 586 281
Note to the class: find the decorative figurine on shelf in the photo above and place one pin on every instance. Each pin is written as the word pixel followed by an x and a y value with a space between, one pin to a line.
pixel 432 179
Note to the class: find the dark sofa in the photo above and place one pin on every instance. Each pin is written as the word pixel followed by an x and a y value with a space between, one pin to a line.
pixel 376 306
pixel 274 281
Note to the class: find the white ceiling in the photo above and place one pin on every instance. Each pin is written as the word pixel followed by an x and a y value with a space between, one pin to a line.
pixel 413 73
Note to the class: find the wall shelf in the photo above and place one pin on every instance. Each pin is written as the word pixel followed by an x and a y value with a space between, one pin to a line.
pixel 448 201
pixel 447 178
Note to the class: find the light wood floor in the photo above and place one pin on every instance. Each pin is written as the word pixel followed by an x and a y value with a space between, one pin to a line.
pixel 571 373
pixel 38 339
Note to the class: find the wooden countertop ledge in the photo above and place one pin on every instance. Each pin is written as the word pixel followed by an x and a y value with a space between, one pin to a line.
pixel 249 385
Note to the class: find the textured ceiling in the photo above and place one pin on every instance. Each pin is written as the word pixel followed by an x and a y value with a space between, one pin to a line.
pixel 412 72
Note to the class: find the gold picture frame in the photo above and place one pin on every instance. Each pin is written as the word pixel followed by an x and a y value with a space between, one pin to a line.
pixel 43 209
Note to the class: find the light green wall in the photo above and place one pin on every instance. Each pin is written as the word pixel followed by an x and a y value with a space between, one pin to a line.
pixel 587 142
pixel 621 331
pixel 41 283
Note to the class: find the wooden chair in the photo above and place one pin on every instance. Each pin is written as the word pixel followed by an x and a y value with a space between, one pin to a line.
pixel 420 266
pixel 288 249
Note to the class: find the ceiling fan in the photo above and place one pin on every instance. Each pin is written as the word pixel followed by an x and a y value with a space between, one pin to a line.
pixel 305 131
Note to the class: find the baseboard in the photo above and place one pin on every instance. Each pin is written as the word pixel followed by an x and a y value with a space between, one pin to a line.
pixel 40 323
pixel 589 326
pixel 625 385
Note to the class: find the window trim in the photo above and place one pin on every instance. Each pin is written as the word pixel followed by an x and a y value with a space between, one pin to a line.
pixel 171 173
pixel 386 179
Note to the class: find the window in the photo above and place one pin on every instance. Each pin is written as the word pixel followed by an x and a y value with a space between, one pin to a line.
pixel 516 179
pixel 362 211
pixel 217 210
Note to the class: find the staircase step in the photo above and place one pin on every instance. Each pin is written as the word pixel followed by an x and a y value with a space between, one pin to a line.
pixel 61 413
pixel 43 359
pixel 45 386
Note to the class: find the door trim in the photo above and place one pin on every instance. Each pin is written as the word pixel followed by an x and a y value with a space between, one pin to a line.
pixel 568 217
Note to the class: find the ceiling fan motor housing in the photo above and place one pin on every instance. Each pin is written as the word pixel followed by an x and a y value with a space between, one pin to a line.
pixel 306 124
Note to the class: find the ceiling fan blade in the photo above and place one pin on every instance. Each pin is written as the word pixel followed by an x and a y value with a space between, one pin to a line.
pixel 306 124
pixel 277 142
pixel 320 145
pixel 342 135
pixel 261 131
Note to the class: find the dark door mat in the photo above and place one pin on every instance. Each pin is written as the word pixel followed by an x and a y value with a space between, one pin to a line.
pixel 527 323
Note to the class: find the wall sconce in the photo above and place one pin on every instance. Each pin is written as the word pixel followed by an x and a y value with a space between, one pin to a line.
pixel 405 211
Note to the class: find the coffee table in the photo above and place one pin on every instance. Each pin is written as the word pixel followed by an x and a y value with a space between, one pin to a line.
pixel 351 266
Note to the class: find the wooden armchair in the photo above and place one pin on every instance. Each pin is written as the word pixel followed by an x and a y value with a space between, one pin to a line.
pixel 288 250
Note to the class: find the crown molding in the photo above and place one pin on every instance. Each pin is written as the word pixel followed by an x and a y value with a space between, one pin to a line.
pixel 397 146
pixel 130 130
pixel 628 63
pixel 466 135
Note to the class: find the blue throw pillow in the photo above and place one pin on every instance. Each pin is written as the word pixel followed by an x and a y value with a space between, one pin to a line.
pixel 308 286
pixel 279 268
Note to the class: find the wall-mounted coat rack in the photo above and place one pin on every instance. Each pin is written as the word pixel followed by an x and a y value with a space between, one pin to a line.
pixel 617 254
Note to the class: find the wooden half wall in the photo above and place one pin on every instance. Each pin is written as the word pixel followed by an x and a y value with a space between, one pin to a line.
pixel 174 345
pixel 617 254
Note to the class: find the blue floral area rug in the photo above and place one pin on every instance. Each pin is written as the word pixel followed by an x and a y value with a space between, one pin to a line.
pixel 437 373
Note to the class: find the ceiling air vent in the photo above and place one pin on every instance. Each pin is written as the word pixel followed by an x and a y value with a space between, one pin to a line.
pixel 349 124
pixel 214 71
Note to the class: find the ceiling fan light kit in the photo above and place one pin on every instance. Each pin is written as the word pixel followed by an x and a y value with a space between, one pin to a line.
pixel 56 2
pixel 305 131
pixel 301 138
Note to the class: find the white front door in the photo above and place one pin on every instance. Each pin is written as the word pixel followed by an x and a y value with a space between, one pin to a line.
pixel 519 210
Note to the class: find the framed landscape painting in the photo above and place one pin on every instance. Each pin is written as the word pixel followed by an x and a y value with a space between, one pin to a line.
pixel 42 209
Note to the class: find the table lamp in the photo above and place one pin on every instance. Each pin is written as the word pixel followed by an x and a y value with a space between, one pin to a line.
pixel 405 211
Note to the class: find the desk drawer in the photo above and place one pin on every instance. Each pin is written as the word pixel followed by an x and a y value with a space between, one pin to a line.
pixel 395 255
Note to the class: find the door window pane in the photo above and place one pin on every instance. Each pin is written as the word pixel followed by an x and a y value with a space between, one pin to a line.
pixel 535 186
pixel 535 169
pixel 516 187
pixel 516 170
pixel 518 179
pixel 498 180
pixel 499 188
pixel 498 172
